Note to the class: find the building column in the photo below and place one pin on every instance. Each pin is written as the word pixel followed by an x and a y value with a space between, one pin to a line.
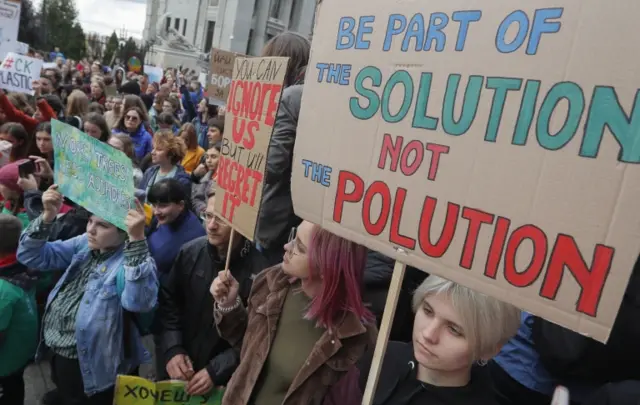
pixel 305 24
pixel 233 25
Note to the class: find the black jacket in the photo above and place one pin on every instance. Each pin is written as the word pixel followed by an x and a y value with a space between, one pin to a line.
pixel 67 226
pixel 186 305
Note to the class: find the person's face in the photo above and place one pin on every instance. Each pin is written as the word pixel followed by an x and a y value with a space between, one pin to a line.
pixel 202 106
pixel 116 143
pixel 211 159
pixel 101 235
pixel 131 120
pixel 143 80
pixel 96 91
pixel 95 69
pixel 193 86
pixel 117 104
pixel 45 85
pixel 439 342
pixel 11 139
pixel 59 61
pixel 8 194
pixel 214 135
pixel 50 74
pixel 166 213
pixel 218 232
pixel 118 74
pixel 109 104
pixel 43 141
pixel 296 262
pixel 167 107
pixel 151 89
pixel 92 130
pixel 159 155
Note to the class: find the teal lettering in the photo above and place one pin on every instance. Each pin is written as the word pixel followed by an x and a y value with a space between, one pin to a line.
pixel 573 94
pixel 469 104
pixel 501 86
pixel 399 77
pixel 357 110
pixel 527 110
pixel 420 117
pixel 605 111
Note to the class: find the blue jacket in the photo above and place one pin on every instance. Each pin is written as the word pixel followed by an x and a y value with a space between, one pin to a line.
pixel 99 322
pixel 201 129
pixel 142 141
pixel 151 174
pixel 166 241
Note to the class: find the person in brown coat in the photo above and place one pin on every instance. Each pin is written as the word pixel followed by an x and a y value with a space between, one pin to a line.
pixel 305 323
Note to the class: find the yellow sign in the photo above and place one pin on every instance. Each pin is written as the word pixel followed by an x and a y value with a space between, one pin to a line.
pixel 139 391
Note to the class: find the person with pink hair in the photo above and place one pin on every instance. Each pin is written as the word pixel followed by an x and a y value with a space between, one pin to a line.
pixel 305 323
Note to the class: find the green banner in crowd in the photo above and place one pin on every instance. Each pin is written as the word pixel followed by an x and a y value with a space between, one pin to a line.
pixel 139 391
pixel 92 174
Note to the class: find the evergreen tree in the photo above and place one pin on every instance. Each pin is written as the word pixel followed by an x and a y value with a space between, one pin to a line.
pixel 111 50
pixel 28 32
pixel 61 28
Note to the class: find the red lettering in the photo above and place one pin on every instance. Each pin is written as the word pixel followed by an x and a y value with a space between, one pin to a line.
pixel 565 253
pixel 497 247
pixel 256 102
pixel 394 233
pixel 237 130
pixel 222 175
pixel 409 169
pixel 476 219
pixel 393 150
pixel 272 107
pixel 532 272
pixel 448 230
pixel 342 196
pixel 436 150
pixel 257 179
pixel 250 140
pixel 376 227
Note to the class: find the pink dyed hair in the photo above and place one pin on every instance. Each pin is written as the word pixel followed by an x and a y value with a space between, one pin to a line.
pixel 340 264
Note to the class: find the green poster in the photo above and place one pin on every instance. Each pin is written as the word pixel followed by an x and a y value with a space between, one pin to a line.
pixel 139 391
pixel 92 174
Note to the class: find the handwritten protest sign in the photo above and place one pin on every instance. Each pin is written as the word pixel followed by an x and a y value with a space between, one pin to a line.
pixel 496 145
pixel 253 103
pixel 17 72
pixel 220 76
pixel 9 23
pixel 92 174
pixel 139 391
pixel 154 73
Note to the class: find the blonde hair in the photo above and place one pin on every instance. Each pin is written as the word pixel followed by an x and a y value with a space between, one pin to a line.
pixel 488 323
pixel 77 104
pixel 175 147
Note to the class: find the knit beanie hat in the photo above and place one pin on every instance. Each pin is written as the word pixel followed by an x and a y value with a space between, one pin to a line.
pixel 130 87
pixel 9 175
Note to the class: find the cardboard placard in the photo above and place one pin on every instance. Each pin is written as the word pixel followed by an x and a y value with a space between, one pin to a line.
pixel 154 73
pixel 92 174
pixel 496 145
pixel 9 24
pixel 17 72
pixel 130 390
pixel 220 76
pixel 254 97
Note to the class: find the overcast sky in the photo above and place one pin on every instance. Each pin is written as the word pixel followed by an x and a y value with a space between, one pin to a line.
pixel 104 16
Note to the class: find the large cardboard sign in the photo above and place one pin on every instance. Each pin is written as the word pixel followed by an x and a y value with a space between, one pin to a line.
pixel 132 390
pixel 9 24
pixel 220 76
pixel 17 73
pixel 254 98
pixel 92 174
pixel 496 145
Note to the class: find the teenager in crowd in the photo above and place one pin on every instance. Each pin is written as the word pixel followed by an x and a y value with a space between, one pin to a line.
pixel 18 314
pixel 194 152
pixel 19 139
pixel 131 123
pixel 456 331
pixel 305 323
pixel 193 350
pixel 202 186
pixel 168 151
pixel 95 126
pixel 77 108
pixel 123 143
pixel 84 323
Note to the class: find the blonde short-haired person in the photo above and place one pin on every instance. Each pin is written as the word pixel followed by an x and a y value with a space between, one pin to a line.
pixel 455 332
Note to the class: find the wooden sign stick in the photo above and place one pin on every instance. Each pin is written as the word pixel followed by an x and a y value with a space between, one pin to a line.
pixel 229 249
pixel 383 333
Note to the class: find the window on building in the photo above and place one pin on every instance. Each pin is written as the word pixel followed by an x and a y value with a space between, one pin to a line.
pixel 249 41
pixel 214 3
pixel 276 5
pixel 176 24
pixel 208 42
pixel 167 24
pixel 184 27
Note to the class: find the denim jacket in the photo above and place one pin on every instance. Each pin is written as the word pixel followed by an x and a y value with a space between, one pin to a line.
pixel 99 322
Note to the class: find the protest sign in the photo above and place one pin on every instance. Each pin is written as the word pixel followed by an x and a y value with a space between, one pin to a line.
pixel 131 390
pixel 220 76
pixel 92 174
pixel 154 73
pixel 254 97
pixel 9 23
pixel 21 48
pixel 17 72
pixel 495 145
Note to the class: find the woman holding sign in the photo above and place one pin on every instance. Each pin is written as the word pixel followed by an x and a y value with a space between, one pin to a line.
pixel 304 326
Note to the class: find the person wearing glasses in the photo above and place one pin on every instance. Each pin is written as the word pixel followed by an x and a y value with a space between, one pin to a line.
pixel 192 349
pixel 305 324
pixel 131 123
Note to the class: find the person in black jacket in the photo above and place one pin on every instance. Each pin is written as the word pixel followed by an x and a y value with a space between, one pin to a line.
pixel 193 350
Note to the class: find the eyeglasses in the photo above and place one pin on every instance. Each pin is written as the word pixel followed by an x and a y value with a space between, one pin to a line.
pixel 207 217
pixel 294 242
pixel 131 118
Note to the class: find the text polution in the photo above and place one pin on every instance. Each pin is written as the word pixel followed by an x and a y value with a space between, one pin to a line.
pixel 585 115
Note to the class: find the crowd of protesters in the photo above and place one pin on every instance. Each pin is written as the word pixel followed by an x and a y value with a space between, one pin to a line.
pixel 293 322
